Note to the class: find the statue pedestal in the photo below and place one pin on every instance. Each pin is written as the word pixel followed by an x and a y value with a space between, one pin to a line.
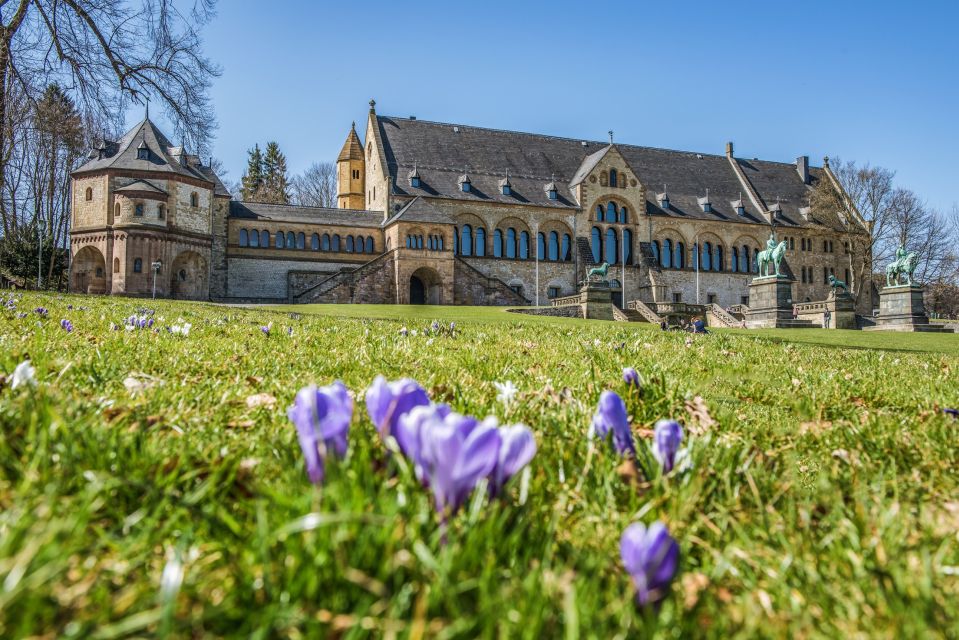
pixel 596 301
pixel 771 304
pixel 842 308
pixel 902 309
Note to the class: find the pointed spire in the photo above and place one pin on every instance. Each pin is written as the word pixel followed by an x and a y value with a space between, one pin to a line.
pixel 147 116
pixel 352 148
pixel 610 132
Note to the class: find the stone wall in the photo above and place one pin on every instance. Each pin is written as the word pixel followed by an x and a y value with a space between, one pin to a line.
pixel 93 212
pixel 372 283
pixel 218 266
pixel 568 311
pixel 472 287
pixel 265 278
pixel 187 217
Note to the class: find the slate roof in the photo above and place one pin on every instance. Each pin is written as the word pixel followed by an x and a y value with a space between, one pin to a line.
pixel 352 148
pixel 443 152
pixel 311 215
pixel 165 158
pixel 419 210
pixel 140 186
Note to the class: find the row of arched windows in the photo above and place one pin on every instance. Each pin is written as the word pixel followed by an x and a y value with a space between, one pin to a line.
pixel 612 213
pixel 512 244
pixel 611 247
pixel 432 242
pixel 290 240
pixel 706 257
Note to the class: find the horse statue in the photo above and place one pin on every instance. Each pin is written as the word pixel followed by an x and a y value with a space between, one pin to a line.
pixel 600 271
pixel 837 284
pixel 903 265
pixel 774 256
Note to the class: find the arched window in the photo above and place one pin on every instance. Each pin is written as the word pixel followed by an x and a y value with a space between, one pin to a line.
pixel 194 199
pixel 300 240
pixel 325 242
pixel 567 250
pixel 628 246
pixel 480 242
pixel 419 242
pixel 497 244
pixel 116 210
pixel 116 265
pixel 336 242
pixel 718 259
pixel 358 244
pixel 755 261
pixel 541 246
pixel 161 211
pixel 410 243
pixel 612 246
pixel 349 244
pixel 466 240
pixel 679 256
pixel 599 213
pixel 744 260
pixel 667 257
pixel 89 194
pixel 656 251
pixel 138 265
pixel 244 238
pixel 553 253
pixel 279 240
pixel 456 241
pixel 254 238
pixel 511 243
pixel 735 263
pixel 138 209
pixel 706 263
pixel 623 215
pixel 611 212
pixel 371 247
pixel 315 242
pixel 265 239
pixel 612 177
pixel 290 240
pixel 524 245
pixel 597 245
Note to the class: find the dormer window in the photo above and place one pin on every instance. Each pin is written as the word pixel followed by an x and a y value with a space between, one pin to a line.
pixel 143 151
pixel 705 204
pixel 775 211
pixel 465 184
pixel 552 191
pixel 506 188
pixel 663 200
pixel 739 206
pixel 414 177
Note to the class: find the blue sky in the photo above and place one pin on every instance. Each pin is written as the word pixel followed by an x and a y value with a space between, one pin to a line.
pixel 871 81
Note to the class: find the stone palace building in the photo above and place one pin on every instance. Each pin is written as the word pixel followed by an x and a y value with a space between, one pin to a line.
pixel 439 213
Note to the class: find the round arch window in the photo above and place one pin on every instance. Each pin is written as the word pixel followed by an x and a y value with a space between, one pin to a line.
pixel 182 275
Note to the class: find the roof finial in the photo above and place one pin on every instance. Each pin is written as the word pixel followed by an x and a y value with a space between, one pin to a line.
pixel 610 132
pixel 354 125
pixel 147 116
pixel 372 104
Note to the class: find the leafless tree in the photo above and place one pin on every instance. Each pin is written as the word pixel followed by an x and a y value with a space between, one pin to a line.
pixel 106 54
pixel 316 187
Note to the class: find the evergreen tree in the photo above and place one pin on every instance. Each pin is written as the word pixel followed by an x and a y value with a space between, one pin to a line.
pixel 276 182
pixel 252 190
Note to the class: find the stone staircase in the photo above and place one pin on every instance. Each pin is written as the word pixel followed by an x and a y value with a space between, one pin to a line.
pixel 644 312
pixel 628 315
pixel 346 277
pixel 720 317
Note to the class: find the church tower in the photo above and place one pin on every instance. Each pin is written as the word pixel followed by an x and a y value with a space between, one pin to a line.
pixel 351 174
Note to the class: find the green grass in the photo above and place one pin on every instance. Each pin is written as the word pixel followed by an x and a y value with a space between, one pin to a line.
pixel 823 500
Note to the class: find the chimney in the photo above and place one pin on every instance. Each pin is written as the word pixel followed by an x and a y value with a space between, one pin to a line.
pixel 729 149
pixel 802 166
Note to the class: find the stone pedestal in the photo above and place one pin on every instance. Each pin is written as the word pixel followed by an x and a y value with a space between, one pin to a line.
pixel 596 301
pixel 902 309
pixel 842 308
pixel 770 303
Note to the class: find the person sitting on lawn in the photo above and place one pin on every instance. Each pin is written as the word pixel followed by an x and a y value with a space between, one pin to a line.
pixel 699 326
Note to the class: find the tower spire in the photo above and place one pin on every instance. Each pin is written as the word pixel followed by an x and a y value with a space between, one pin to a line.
pixel 147 116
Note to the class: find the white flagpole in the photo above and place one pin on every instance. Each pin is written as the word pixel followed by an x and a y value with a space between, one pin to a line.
pixel 536 236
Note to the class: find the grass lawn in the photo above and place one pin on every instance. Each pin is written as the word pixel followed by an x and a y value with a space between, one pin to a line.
pixel 151 486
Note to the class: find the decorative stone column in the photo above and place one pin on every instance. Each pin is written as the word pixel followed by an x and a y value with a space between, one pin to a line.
pixel 596 301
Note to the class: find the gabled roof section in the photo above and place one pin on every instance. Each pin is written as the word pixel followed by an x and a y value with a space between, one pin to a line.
pixel 163 157
pixel 352 148
pixel 418 210
pixel 140 186
pixel 441 151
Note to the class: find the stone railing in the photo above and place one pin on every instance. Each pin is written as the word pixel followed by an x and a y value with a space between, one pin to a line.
pixel 810 307
pixel 335 279
pixel 565 301
pixel 618 315
pixel 722 317
pixel 679 308
pixel 643 309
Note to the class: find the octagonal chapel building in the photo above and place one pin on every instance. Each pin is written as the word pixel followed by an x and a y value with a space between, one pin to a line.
pixel 439 213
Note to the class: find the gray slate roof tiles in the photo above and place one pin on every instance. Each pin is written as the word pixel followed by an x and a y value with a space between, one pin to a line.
pixel 314 215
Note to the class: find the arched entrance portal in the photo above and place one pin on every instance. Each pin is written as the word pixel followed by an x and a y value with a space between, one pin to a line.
pixel 89 271
pixel 425 286
pixel 189 277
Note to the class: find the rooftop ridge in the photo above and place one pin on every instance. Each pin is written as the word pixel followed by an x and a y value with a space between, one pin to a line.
pixel 569 139
pixel 303 206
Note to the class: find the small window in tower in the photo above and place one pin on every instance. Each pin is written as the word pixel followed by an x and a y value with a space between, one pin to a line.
pixel 143 153
pixel 160 211
pixel 138 210
pixel 89 194
pixel 194 199
pixel 137 265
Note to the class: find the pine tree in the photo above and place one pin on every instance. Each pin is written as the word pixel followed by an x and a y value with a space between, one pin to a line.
pixel 252 190
pixel 276 183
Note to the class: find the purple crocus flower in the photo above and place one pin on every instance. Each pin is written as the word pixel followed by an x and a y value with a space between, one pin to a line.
pixel 41 311
pixel 266 329
pixel 517 448
pixel 611 416
pixel 667 436
pixel 631 377
pixel 409 427
pixel 22 315
pixel 952 412
pixel 651 558
pixel 387 402
pixel 457 452
pixel 322 418
pixel 404 332
pixel 67 325
pixel 435 327
pixel 69 307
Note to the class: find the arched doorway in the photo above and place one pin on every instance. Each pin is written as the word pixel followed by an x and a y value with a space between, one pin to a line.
pixel 425 287
pixel 189 277
pixel 89 271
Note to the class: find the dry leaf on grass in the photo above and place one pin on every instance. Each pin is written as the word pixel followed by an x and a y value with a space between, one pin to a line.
pixel 260 400
pixel 139 382
pixel 700 420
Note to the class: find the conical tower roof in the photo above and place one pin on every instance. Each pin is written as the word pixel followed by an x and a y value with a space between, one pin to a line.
pixel 352 148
